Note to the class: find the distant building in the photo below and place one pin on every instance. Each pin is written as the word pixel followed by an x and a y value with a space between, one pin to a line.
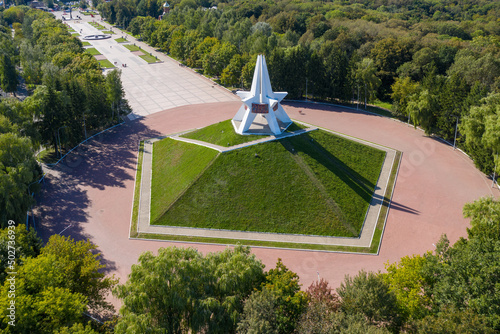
pixel 37 4
pixel 166 8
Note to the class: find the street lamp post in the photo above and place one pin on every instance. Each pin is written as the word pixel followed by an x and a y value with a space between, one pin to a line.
pixel 357 104
pixel 84 125
pixel 59 138
pixel 494 172
pixel 455 141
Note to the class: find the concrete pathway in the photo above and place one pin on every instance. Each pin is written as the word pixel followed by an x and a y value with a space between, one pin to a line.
pixel 364 240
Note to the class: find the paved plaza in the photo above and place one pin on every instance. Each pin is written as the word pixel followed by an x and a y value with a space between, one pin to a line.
pixel 150 88
pixel 90 194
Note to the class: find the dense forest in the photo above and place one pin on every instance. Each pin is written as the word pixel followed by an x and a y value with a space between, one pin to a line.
pixel 454 289
pixel 436 63
pixel 60 93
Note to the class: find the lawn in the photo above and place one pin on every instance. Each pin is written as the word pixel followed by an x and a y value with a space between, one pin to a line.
pixel 86 44
pixel 137 191
pixel 149 59
pixel 314 183
pixel 92 51
pixel 75 34
pixel 132 47
pixel 97 25
pixel 185 161
pixel 109 32
pixel 105 63
pixel 48 155
pixel 385 105
pixel 121 40
pixel 223 134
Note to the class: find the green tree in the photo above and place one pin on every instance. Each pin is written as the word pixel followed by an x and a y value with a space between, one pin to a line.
pixel 32 58
pixel 452 321
pixel 402 90
pixel 186 291
pixel 406 281
pixel 485 219
pixel 366 78
pixel 422 108
pixel 465 277
pixel 27 244
pixel 290 300
pixel 259 316
pixel 218 58
pixel 54 289
pixel 480 128
pixel 232 73
pixel 18 169
pixel 114 91
pixel 388 54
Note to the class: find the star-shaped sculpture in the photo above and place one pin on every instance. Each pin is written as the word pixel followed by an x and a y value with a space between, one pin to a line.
pixel 262 103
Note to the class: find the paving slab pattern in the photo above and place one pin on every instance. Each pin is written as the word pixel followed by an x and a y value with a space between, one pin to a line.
pixel 151 88
pixel 90 195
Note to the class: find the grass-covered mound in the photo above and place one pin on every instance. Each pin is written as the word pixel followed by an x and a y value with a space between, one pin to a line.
pixel 314 183
pixel 223 134
pixel 176 165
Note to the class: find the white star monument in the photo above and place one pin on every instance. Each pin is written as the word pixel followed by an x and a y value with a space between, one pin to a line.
pixel 261 112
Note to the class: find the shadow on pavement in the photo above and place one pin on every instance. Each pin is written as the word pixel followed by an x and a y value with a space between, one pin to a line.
pixel 107 160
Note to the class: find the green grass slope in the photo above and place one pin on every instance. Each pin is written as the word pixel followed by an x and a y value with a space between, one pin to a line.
pixel 221 134
pixel 175 166
pixel 315 183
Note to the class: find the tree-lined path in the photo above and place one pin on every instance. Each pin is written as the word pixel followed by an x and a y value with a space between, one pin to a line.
pixel 91 195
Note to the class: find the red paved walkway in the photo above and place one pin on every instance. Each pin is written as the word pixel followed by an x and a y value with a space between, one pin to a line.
pixel 95 193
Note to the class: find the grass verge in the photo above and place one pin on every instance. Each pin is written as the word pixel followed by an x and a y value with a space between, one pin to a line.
pixel 132 47
pixel 105 63
pixel 121 40
pixel 109 32
pixel 373 249
pixel 97 25
pixel 86 44
pixel 47 156
pixel 149 59
pixel 137 192
pixel 221 134
pixel 75 34
pixel 92 51
pixel 382 217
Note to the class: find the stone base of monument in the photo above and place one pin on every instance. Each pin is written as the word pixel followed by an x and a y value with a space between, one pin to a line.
pixel 260 126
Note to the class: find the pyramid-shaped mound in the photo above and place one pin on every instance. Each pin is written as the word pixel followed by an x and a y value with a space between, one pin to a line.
pixel 315 183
